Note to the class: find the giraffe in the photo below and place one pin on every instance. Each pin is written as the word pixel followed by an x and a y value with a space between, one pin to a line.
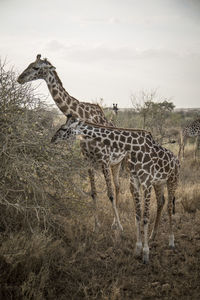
pixel 115 108
pixel 151 165
pixel 43 69
pixel 192 129
pixel 108 161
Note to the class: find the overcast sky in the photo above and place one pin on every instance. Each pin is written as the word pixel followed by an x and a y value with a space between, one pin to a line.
pixel 109 49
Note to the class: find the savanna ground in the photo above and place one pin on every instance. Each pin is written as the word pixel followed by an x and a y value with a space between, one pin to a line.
pixel 48 249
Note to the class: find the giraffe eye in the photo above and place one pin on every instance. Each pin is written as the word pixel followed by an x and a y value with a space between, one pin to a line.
pixel 35 68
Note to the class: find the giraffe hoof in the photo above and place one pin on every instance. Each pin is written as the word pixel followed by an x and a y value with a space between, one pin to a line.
pixel 171 241
pixel 145 261
pixel 146 255
pixel 172 247
pixel 138 249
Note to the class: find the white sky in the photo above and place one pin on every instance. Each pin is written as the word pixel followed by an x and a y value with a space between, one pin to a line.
pixel 108 49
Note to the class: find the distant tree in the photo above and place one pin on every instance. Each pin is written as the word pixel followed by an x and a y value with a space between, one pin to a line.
pixel 142 104
pixel 154 113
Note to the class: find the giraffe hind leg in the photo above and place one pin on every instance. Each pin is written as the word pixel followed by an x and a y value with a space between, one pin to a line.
pixel 171 187
pixel 147 197
pixel 160 203
pixel 135 191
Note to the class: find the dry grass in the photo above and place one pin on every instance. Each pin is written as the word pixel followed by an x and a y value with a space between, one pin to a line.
pixel 191 198
pixel 73 262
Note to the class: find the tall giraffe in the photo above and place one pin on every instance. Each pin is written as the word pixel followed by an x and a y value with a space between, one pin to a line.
pixel 191 130
pixel 43 69
pixel 150 164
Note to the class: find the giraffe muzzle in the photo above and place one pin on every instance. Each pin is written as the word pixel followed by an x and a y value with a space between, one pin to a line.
pixel 20 80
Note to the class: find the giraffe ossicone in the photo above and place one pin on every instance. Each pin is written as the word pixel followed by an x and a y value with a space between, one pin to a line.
pixel 151 165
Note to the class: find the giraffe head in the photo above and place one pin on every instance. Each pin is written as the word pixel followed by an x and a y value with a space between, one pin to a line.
pixel 39 69
pixel 66 132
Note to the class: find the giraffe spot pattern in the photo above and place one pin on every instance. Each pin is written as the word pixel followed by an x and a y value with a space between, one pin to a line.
pixel 54 92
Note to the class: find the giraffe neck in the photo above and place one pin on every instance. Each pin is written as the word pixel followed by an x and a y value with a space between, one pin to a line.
pixel 69 105
pixel 192 129
pixel 63 100
pixel 190 132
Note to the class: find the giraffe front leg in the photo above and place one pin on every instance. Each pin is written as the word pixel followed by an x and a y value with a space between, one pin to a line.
pixel 115 172
pixel 107 175
pixel 135 191
pixel 94 197
pixel 147 197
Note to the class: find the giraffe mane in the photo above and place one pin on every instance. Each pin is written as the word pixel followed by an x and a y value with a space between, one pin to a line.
pixel 99 107
pixel 60 82
pixel 57 77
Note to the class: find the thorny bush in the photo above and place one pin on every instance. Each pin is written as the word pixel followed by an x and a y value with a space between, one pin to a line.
pixel 35 176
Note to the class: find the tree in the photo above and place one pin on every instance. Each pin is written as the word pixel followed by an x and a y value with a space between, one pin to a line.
pixel 154 113
pixel 142 103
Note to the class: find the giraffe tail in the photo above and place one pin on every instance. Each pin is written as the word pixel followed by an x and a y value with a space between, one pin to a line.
pixel 163 199
pixel 174 206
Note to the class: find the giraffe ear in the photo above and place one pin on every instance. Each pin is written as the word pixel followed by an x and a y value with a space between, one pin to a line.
pixel 53 68
pixel 48 65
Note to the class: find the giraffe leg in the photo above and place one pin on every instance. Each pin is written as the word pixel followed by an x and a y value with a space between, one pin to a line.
pixel 160 203
pixel 180 149
pixel 184 140
pixel 183 151
pixel 180 145
pixel 171 187
pixel 107 175
pixel 115 172
pixel 135 191
pixel 94 197
pixel 147 197
pixel 196 147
